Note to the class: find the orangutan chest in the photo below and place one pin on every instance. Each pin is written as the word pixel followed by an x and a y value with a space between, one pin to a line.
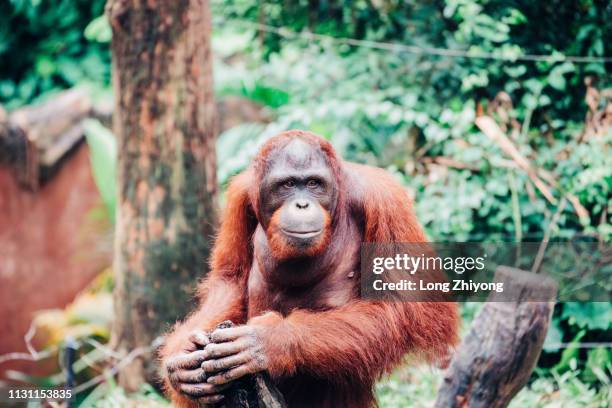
pixel 334 291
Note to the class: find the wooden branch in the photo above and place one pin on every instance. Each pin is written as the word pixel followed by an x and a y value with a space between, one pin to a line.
pixel 254 391
pixel 502 347
pixel 580 210
pixel 450 162
pixel 488 126
pixel 544 244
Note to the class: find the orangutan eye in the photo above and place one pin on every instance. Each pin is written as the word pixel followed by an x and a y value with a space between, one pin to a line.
pixel 312 183
pixel 289 184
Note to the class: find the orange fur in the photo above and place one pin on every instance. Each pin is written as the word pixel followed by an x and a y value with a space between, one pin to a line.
pixel 324 357
pixel 222 293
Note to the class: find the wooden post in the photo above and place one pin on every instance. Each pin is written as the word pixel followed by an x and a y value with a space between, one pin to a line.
pixel 502 347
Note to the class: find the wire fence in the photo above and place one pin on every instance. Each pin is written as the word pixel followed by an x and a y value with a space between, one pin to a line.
pixel 288 33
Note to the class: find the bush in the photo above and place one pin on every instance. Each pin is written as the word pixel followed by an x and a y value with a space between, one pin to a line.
pixel 43 49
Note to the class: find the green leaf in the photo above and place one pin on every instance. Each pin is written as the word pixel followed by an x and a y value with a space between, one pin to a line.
pixel 556 77
pixel 598 365
pixel 591 315
pixel 103 155
pixel 514 17
pixel 570 354
pixel 99 30
pixel 45 66
pixel 557 81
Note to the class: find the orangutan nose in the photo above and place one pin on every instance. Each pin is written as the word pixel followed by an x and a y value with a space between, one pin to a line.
pixel 301 204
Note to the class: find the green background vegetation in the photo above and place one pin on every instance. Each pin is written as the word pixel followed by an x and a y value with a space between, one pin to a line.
pixel 394 109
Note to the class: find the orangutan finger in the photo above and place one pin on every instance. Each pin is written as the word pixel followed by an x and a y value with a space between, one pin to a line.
pixel 212 366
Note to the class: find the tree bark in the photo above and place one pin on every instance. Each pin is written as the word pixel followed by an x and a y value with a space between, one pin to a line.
pixel 501 349
pixel 164 121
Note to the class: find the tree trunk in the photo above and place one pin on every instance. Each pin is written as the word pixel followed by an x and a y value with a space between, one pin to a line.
pixel 164 121
pixel 501 349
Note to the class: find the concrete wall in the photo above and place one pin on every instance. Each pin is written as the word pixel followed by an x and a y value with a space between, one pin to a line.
pixel 51 246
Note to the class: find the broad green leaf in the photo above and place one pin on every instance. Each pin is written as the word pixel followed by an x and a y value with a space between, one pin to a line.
pixel 103 155
pixel 99 30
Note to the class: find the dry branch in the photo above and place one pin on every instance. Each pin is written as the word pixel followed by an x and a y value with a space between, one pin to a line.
pixel 488 126
pixel 542 179
pixel 450 162
pixel 598 120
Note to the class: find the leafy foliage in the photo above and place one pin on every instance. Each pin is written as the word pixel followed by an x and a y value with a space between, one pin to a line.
pixel 403 111
pixel 109 395
pixel 417 387
pixel 385 109
pixel 398 110
pixel 43 48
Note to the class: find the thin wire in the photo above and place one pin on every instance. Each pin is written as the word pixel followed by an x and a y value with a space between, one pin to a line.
pixel 587 345
pixel 412 49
